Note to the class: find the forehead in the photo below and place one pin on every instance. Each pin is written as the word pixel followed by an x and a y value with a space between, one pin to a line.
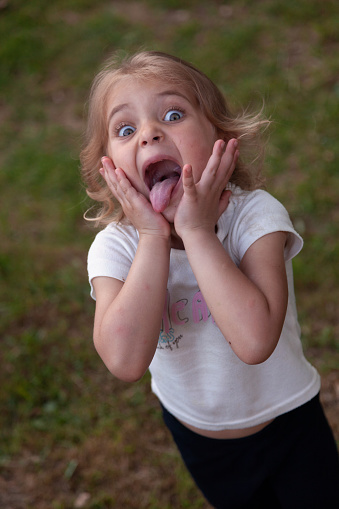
pixel 130 89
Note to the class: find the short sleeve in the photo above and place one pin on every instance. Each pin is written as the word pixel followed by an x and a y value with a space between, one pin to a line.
pixel 256 214
pixel 111 253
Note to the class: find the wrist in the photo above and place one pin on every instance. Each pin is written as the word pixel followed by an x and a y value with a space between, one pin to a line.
pixel 155 238
pixel 198 235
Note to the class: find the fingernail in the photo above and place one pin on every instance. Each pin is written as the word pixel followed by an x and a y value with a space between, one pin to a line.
pixel 235 143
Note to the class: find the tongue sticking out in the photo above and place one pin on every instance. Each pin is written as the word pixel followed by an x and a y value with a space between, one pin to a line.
pixel 161 192
pixel 162 177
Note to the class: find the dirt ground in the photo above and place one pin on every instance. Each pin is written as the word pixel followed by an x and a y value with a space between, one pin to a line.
pixel 30 482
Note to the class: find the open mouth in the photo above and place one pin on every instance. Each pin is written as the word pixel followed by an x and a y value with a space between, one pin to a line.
pixel 161 178
pixel 161 171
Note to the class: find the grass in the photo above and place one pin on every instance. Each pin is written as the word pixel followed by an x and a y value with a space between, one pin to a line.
pixel 72 435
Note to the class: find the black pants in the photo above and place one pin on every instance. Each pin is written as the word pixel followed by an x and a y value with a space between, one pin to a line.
pixel 290 464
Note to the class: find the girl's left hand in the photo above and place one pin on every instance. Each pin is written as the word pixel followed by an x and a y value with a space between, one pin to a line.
pixel 203 202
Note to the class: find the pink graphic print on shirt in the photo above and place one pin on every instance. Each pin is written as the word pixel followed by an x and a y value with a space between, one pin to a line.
pixel 178 314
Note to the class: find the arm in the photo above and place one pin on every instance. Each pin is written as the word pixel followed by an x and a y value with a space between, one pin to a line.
pixel 128 315
pixel 248 303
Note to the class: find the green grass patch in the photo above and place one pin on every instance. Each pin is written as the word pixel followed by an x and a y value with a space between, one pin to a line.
pixel 65 423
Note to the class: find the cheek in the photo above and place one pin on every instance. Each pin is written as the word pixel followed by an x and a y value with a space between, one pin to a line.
pixel 201 143
pixel 115 154
pixel 109 151
pixel 201 157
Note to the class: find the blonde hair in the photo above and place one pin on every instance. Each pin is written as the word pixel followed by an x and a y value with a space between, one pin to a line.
pixel 150 65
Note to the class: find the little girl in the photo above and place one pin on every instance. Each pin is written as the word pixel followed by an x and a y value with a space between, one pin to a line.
pixel 192 277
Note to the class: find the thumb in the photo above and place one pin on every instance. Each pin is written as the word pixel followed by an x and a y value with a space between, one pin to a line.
pixel 187 180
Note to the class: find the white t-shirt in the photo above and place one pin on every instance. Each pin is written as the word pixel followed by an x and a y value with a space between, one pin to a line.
pixel 195 373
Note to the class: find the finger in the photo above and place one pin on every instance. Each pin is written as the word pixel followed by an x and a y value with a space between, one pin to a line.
pixel 228 162
pixel 188 180
pixel 109 170
pixel 127 194
pixel 115 176
pixel 227 158
pixel 116 180
pixel 122 180
pixel 107 164
pixel 220 153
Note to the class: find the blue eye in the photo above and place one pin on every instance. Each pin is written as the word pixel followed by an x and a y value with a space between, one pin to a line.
pixel 173 115
pixel 126 130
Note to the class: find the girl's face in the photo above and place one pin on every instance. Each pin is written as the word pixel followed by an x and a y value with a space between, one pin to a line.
pixel 154 128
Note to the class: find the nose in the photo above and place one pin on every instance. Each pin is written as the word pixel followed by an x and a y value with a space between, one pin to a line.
pixel 150 134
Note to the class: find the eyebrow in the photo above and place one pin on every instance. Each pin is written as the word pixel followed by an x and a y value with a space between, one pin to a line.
pixel 123 106
pixel 173 92
pixel 116 110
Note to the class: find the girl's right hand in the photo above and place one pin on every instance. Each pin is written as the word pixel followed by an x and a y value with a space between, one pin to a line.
pixel 136 207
